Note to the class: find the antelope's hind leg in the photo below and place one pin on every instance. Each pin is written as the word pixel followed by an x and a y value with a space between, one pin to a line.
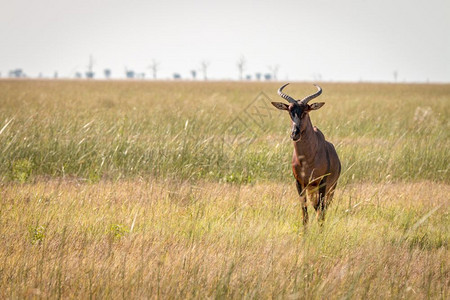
pixel 321 201
pixel 303 202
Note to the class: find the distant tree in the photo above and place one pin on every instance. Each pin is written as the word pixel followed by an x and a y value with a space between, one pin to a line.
pixel 194 74
pixel 268 76
pixel 176 76
pixel 258 76
pixel 129 73
pixel 241 66
pixel 274 71
pixel 395 73
pixel 154 66
pixel 55 75
pixel 16 73
pixel 204 65
pixel 78 75
pixel 248 77
pixel 90 73
pixel 107 73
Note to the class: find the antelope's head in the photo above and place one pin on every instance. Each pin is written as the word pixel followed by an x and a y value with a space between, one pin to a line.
pixel 298 110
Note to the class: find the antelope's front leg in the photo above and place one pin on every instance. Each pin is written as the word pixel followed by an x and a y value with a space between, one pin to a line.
pixel 303 203
pixel 323 201
pixel 304 210
pixel 317 202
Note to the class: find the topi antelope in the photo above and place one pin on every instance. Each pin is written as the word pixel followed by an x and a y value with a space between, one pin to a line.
pixel 315 162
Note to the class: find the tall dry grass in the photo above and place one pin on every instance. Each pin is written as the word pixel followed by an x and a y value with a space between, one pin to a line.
pixel 172 239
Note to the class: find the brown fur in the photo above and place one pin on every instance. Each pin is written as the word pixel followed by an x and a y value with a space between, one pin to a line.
pixel 310 167
pixel 315 163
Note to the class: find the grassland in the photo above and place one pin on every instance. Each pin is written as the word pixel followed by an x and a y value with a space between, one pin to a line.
pixel 176 189
pixel 112 130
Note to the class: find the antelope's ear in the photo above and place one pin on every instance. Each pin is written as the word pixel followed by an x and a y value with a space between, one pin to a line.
pixel 280 105
pixel 315 106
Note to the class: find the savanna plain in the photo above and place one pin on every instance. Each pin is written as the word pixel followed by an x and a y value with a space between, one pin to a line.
pixel 141 189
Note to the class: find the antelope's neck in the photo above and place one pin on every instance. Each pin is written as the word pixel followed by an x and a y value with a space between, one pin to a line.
pixel 306 147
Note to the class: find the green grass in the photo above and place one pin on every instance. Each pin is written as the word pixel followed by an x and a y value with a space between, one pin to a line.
pixel 112 130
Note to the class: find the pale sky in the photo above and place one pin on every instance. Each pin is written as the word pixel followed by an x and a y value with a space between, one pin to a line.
pixel 346 40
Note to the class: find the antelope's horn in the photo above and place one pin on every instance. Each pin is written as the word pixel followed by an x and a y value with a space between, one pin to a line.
pixel 310 97
pixel 284 96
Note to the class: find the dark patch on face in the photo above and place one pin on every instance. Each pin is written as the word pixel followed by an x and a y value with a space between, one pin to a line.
pixel 296 109
pixel 296 112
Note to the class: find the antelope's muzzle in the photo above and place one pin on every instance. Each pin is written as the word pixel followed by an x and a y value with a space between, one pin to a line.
pixel 295 134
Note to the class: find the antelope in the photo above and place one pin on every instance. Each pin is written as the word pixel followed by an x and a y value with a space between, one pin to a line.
pixel 315 163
